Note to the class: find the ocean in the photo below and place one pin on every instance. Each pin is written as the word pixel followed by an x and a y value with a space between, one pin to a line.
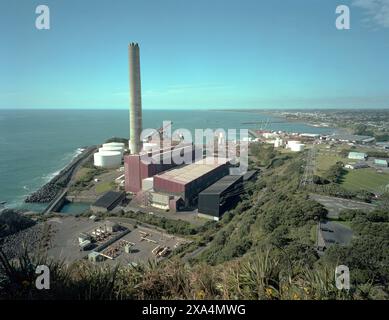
pixel 36 144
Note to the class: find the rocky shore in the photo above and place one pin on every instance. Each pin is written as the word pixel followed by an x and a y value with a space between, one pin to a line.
pixel 17 244
pixel 45 194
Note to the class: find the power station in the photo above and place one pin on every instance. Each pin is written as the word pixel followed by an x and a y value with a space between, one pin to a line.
pixel 151 175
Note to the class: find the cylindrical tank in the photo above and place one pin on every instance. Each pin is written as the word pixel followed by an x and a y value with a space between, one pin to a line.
pixel 112 148
pixel 278 143
pixel 107 159
pixel 114 144
pixel 297 147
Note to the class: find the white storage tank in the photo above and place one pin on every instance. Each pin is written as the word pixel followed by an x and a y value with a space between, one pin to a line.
pixel 297 147
pixel 108 159
pixel 112 148
pixel 278 143
pixel 292 142
pixel 114 144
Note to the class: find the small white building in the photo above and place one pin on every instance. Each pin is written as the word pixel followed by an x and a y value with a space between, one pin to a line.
pixel 148 183
pixel 269 135
pixel 297 147
pixel 357 155
pixel 278 143
pixel 353 166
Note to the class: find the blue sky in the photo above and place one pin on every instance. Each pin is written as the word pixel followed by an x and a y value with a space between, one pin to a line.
pixel 195 54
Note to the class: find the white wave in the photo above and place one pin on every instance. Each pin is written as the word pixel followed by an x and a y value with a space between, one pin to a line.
pixel 50 176
pixel 66 159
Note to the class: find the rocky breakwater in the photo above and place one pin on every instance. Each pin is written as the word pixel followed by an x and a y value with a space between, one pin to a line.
pixel 50 190
pixel 45 194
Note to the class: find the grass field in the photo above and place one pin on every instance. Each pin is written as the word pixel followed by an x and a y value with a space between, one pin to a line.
pixel 104 187
pixel 366 179
pixel 81 173
pixel 325 160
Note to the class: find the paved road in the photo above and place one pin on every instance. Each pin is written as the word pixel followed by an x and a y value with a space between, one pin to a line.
pixel 195 252
pixel 334 232
pixel 336 205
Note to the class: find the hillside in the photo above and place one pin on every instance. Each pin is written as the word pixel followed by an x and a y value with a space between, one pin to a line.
pixel 262 249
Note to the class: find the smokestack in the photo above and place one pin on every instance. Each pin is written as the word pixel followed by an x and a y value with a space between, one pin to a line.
pixel 136 99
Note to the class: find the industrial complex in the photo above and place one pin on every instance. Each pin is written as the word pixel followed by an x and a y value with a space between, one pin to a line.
pixel 155 174
pixel 168 175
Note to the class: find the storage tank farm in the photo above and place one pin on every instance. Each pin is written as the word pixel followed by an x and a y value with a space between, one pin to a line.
pixel 108 159
pixel 112 147
pixel 110 155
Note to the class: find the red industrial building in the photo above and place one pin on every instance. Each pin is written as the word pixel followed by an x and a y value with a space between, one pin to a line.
pixel 187 181
pixel 140 166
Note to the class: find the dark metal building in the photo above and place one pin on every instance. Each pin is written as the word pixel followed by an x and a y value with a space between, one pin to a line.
pixel 221 196
pixel 250 175
pixel 108 201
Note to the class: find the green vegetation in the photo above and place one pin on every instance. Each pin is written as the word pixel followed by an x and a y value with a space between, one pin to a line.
pixel 85 176
pixel 258 276
pixel 325 161
pixel 365 179
pixel 12 222
pixel 368 253
pixel 332 179
pixel 335 172
pixel 261 249
pixel 276 214
pixel 171 226
pixel 365 130
pixel 377 154
pixel 263 154
pixel 103 187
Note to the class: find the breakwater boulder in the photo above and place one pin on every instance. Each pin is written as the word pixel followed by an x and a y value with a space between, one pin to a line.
pixel 45 194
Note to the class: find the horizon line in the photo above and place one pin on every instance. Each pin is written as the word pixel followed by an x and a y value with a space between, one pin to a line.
pixel 199 109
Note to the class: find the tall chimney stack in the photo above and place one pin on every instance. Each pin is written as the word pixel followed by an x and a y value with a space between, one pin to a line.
pixel 136 99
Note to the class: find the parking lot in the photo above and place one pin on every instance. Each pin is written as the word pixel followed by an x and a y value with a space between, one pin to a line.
pixel 336 205
pixel 64 244
pixel 145 243
pixel 335 233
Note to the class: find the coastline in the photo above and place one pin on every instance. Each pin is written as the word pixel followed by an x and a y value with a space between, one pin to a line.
pixel 49 192
pixel 283 119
